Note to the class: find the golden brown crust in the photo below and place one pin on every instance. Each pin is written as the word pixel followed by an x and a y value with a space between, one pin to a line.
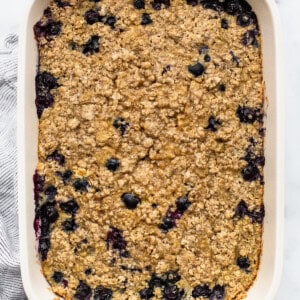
pixel 165 153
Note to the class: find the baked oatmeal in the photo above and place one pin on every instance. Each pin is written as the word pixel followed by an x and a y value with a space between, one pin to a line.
pixel 149 183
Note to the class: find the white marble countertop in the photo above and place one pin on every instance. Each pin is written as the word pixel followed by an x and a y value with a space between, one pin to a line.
pixel 11 13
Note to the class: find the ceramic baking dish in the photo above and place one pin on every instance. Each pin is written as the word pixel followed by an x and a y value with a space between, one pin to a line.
pixel 268 279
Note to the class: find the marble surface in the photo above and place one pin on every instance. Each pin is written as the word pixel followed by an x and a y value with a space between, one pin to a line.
pixel 11 13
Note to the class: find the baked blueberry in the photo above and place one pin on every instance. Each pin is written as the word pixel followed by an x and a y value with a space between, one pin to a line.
pixel 61 3
pixel 249 38
pixel 146 19
pixel 224 24
pixel 80 185
pixel 66 176
pixel 42 102
pixel 247 114
pixel 157 4
pixel 44 246
pixel 250 172
pixel 111 21
pixel 69 207
pixel 38 182
pixel 83 291
pixel 50 192
pixel 45 81
pixel 88 271
pixel 48 30
pixel 115 239
pixel 91 46
pixel 201 291
pixel 130 200
pixel 49 212
pixel 218 293
pixel 243 262
pixel 207 58
pixel 172 292
pixel 196 69
pixel 167 224
pixel 112 164
pixel 92 16
pixel 139 4
pixel 192 2
pixel 244 20
pixel 182 204
pixel 146 293
pixel 166 69
pixel 56 156
pixel 213 124
pixel 102 293
pixel 57 276
pixel 156 281
pixel 121 124
pixel 241 209
pixel 213 4
pixel 257 216
pixel 69 225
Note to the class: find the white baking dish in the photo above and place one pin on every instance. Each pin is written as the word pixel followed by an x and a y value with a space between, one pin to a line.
pixel 268 279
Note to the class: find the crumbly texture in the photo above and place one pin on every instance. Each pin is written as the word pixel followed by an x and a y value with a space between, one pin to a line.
pixel 140 74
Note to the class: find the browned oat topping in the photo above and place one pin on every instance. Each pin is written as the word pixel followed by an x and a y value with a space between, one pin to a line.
pixel 150 176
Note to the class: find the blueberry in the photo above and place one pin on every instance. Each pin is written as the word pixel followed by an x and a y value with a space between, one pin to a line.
pixel 48 13
pixel 222 87
pixel 156 281
pixel 172 292
pixel 196 69
pixel 213 4
pixel 44 246
pixel 235 58
pixel 157 4
pixel 207 58
pixel 224 24
pixel 130 200
pixel 43 102
pixel 69 207
pixel 249 38
pixel 139 4
pixel 241 209
pixel 257 216
pixel 56 156
pixel 154 205
pixel 171 277
pixel 57 276
pixel 69 225
pixel 232 7
pixel 88 271
pixel 91 46
pixel 213 124
pixel 112 164
pixel 111 21
pixel 201 291
pixel 244 20
pixel 45 81
pixel 146 293
pixel 102 293
pixel 146 19
pixel 95 1
pixel 49 212
pixel 203 50
pixel 66 176
pixel 121 124
pixel 243 262
pixel 50 192
pixel 218 293
pixel 250 172
pixel 48 30
pixel 92 16
pixel 192 2
pixel 247 114
pixel 83 291
pixel 166 69
pixel 80 185
pixel 167 224
pixel 61 3
pixel 182 203
pixel 38 182
pixel 115 239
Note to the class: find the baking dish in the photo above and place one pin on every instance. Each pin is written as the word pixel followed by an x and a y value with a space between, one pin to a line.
pixel 268 278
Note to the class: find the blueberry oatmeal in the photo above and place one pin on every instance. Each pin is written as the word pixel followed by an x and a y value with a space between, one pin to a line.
pixel 149 183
